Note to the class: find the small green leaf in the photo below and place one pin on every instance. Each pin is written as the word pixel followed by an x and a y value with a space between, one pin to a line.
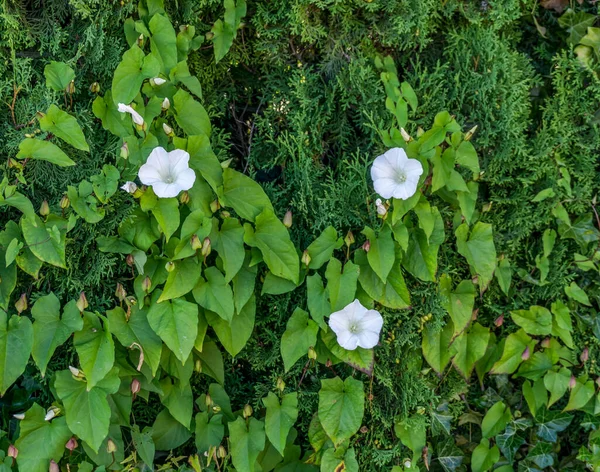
pixel 537 320
pixel 458 304
pixel 58 76
pixel 182 279
pixel 557 383
pixel 247 441
pixel 95 348
pixel 575 292
pixel 64 126
pixel 215 294
pixel 341 407
pixel 341 283
pixel 209 431
pixel 514 347
pixel 191 115
pixel 317 301
pixel 31 148
pixel 321 249
pixel 163 42
pixel 581 393
pixel 436 347
pixel 300 334
pixel 16 342
pixel 144 444
pixel 381 255
pixel 244 195
pixel 131 72
pixel 484 457
pixel 168 433
pixel 470 347
pixel 105 183
pixel 280 418
pixel 495 420
pixel 234 334
pixel 230 246
pixel 166 212
pixel 479 250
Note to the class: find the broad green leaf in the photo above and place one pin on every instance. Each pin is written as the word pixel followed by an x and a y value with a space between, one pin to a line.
pixel 470 347
pixel 31 148
pixel 317 301
pixel 230 246
pixel 20 202
pixel 402 207
pixel 168 433
pixel 514 347
pixel 64 126
pixel 234 334
pixel 163 42
pixel 244 195
pixel 273 240
pixel 535 395
pixel 177 397
pixel 346 463
pixel 495 420
pixel 557 383
pixel 209 431
pixel 576 24
pixel 131 72
pixel 466 156
pixel 321 249
pixel 87 409
pixel 504 275
pixel 436 347
pixel 341 283
pixel 280 418
pixel 103 458
pixel 205 161
pixel 46 240
pixel 40 441
pixel 484 457
pixel 458 303
pixel 581 393
pixel 359 359
pixel 468 201
pixel 212 361
pixel 224 32
pixel 58 76
pixel 243 284
pixel 105 109
pixel 412 432
pixel 420 258
pixel 215 294
pixel 536 366
pixel 176 322
pixel 144 444
pixel 16 341
pixel 8 281
pixel 247 441
pixel 95 348
pixel 341 407
pixel 381 255
pixel 190 114
pixel 274 285
pixel 166 212
pixel 50 330
pixel 105 183
pixel 537 320
pixel 479 250
pixel 181 73
pixel 575 292
pixel 300 334
pixel 182 279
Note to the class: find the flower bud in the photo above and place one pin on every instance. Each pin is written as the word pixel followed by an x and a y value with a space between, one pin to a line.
pixel 136 386
pixel 206 247
pixel 129 187
pixel 221 452
pixel 166 104
pixel 545 343
pixel 572 382
pixel 306 258
pixel 53 467
pixel 366 246
pixel 247 411
pixel 65 202
pixel 198 366
pixel 184 199
pixel 195 242
pixel 170 266
pixel 124 153
pixel 225 214
pixel 210 35
pixel 72 444
pixel 44 208
pixel 469 134
pixel 287 219
pixel 71 87
pixel 214 206
pixel 420 132
pixel 208 400
pixel 111 447
pixel 585 355
pixel 405 135
pixel 120 292
pixel 51 413
pixel 216 408
pixel 74 371
pixel 130 260
pixel 312 354
pixel 157 81
pixel 12 163
pixel 82 302
pixel 280 384
pixel 349 239
pixel 381 208
pixel 21 304
pixel 21 416
pixel 499 321
pixel 526 354
pixel 95 87
pixel 167 129
pixel 12 452
pixel 407 464
pixel 146 284
pixel 140 40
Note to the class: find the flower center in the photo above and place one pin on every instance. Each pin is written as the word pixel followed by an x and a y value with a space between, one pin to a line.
pixel 400 176
pixel 169 179
pixel 354 328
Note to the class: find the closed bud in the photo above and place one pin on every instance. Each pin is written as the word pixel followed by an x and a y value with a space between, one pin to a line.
pixel 140 40
pixel 170 266
pixel 221 452
pixel 166 104
pixel 111 447
pixel 95 87
pixel 280 384
pixel 51 413
pixel 12 451
pixel 65 202
pixel 167 129
pixel 72 444
pixel 206 247
pixel 306 258
pixel 287 219
pixel 195 242
pixel 312 354
pixel 381 208
pixel 597 383
pixel 572 382
pixel 157 81
pixel 225 214
pixel 405 135
pixel 124 151
pixel 44 208
pixel 208 400
pixel 71 87
pixel 526 354
pixel 82 302
pixel 545 343
pixel 136 386
pixel 407 464
pixel 349 239
pixel 21 304
pixel 184 199
pixel 53 467
pixel 13 163
pixel 585 355
pixel 130 260
pixel 366 246
pixel 146 284
pixel 210 35
pixel 74 371
pixel 120 292
pixel 198 366
pixel 470 133
pixel 214 206
pixel 420 132
pixel 499 321
pixel 19 416
pixel 247 411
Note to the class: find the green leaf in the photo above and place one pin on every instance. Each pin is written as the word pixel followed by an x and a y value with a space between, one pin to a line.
pixel 225 32
pixel 104 109
pixel 479 250
pixel 504 275
pixel 163 42
pixel 381 255
pixel 412 432
pixel 212 361
pixel 64 126
pixel 209 431
pixel 247 441
pixel 274 285
pixel 84 203
pixel 335 461
pixel 243 284
pixel 300 334
pixel 20 202
pixel 436 347
pixel 575 292
pixel 557 383
pixel 230 246
pixel 510 442
pixel 58 76
pixel 359 359
pixel 95 348
pixel 458 304
pixel 46 240
pixel 562 325
pixel 466 156
pixel 484 457
pixel 190 114
pixel 31 148
pixel 544 194
pixel 321 249
pixel 16 341
pixel 205 161
pixel 576 24
pixel 581 393
pixel 168 433
pixel 215 294
pixel 105 183
pixel 131 72
pixel 87 409
pixel 244 195
pixel 542 455
pixel 177 397
pixel 341 283
pixel 537 320
pixel 234 334
pixel 182 279
pixel 420 258
pixel 495 420
pixel 176 322
pixel 280 418
pixel 470 347
pixel 550 423
pixel 514 347
pixel 50 330
pixel 317 301
pixel 273 240
pixel 341 407
pixel 40 441
pixel 144 444
pixel 536 366
pixel 166 212
pixel 8 282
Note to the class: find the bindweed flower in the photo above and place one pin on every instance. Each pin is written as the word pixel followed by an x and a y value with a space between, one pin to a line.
pixel 136 386
pixel 585 355
pixel 168 173
pixel 135 116
pixel 12 452
pixel 129 187
pixel 19 416
pixel 247 412
pixel 405 135
pixel 572 382
pixel 206 247
pixel 306 258
pixel 526 354
pixel 395 175
pixel 124 152
pixel 111 447
pixel 82 302
pixel 356 326
pixel 21 303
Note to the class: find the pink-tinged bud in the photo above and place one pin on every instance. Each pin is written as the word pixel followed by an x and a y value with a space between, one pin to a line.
pixel 499 321
pixel 136 386
pixel 120 292
pixel 21 304
pixel 12 451
pixel 366 246
pixel 572 382
pixel 130 260
pixel 124 152
pixel 349 239
pixel 111 447
pixel 287 219
pixel 306 258
pixel 82 302
pixel 206 247
pixel 146 284
pixel 545 343
pixel 53 467
pixel 585 355
pixel 526 354
pixel 72 444
pixel 195 242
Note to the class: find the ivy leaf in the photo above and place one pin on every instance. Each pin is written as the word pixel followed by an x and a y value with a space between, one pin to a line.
pixel 484 457
pixel 581 393
pixel 449 456
pixel 576 24
pixel 537 320
pixel 215 294
pixel 244 195
pixel 131 72
pixel 209 432
pixel 46 240
pixel 495 420
pixel 515 345
pixel 95 348
pixel 510 441
pixel 321 249
pixel 381 255
pixel 16 341
pixel 341 407
pixel 247 441
pixel 163 42
pixel 436 347
pixel 341 286
pixel 191 115
pixel 469 348
pixel 280 418
pixel 542 455
pixel 458 304
pixel 550 423
pixel 557 383
pixel 182 279
pixel 64 126
pixel 234 334
pixel 31 148
pixel 176 322
pixel 87 409
pixel 50 330
pixel 40 441
pixel 300 334
pixel 479 250
pixel 58 76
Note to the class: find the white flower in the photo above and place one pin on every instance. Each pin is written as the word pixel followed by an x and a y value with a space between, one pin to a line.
pixel 166 104
pixel 157 81
pixel 129 187
pixel 356 326
pixel 381 209
pixel 137 118
pixel 395 175
pixel 167 172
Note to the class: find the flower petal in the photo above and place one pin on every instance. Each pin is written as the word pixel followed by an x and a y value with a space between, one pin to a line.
pixel 348 340
pixel 368 339
pixel 149 175
pixel 165 190
pixel 178 161
pixel 396 157
pixel 381 168
pixel 413 167
pixel 185 180
pixel 372 321
pixel 339 322
pixel 385 187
